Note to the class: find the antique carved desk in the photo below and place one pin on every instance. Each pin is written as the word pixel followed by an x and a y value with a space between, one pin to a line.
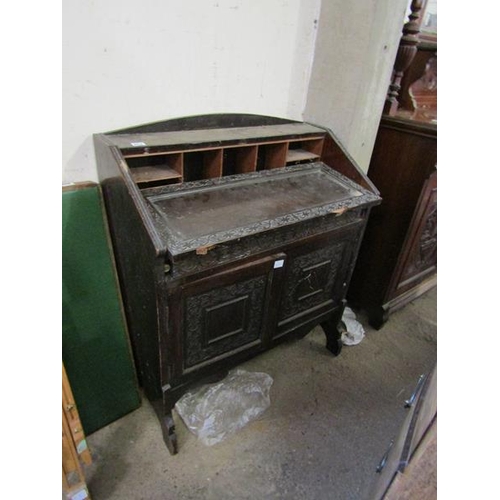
pixel 231 233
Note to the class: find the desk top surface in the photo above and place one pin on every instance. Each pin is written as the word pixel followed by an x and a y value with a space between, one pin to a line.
pixel 205 213
pixel 215 137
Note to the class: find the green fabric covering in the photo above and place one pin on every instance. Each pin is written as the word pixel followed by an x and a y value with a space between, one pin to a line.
pixel 95 344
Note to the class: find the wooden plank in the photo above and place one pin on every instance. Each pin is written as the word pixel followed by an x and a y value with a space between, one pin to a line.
pixel 71 412
pixel 73 478
pixel 246 159
pixel 275 155
pixel 141 153
pixel 313 145
pixel 336 157
pixel 150 174
pixel 294 155
pixel 212 136
pixel 212 164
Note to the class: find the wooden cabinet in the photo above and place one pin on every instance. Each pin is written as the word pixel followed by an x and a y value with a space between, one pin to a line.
pixel 231 233
pixel 398 258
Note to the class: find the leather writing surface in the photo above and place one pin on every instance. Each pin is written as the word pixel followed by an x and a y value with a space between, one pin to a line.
pixel 250 204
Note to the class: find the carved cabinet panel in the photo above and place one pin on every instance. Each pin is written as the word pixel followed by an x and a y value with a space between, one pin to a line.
pixel 315 278
pixel 227 312
pixel 419 256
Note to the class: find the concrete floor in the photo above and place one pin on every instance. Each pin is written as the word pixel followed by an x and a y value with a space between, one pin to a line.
pixel 329 423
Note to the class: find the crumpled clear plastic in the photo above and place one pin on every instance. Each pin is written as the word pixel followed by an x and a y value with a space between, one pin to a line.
pixel 354 331
pixel 216 411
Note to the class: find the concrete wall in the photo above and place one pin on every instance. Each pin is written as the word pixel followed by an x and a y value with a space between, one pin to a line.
pixel 127 63
pixel 355 51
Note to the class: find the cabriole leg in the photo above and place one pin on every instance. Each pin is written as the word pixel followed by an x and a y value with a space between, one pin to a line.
pixel 333 335
pixel 333 332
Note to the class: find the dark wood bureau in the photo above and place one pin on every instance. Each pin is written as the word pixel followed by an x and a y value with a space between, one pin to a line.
pixel 231 233
pixel 398 258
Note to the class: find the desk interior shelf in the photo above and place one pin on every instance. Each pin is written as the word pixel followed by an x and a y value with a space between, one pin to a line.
pixel 154 165
pixel 156 169
pixel 300 155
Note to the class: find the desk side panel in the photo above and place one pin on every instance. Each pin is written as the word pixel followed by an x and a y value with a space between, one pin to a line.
pixel 337 157
pixel 139 267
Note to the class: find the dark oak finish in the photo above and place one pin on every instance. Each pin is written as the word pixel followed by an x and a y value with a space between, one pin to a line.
pixel 397 261
pixel 236 251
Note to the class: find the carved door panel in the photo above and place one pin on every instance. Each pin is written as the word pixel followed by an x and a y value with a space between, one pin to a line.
pixel 316 278
pixel 419 255
pixel 227 313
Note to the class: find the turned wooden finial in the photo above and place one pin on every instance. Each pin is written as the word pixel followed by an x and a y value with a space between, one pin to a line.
pixel 406 52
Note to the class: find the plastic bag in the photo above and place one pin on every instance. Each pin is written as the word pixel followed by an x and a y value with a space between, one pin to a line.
pixel 355 332
pixel 215 411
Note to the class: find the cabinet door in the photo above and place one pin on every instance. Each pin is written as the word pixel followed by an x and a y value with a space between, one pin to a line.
pixel 316 278
pixel 227 313
pixel 418 259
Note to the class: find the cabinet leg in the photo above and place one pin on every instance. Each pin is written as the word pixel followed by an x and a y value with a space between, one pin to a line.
pixel 333 334
pixel 169 435
pixel 164 409
pixel 377 317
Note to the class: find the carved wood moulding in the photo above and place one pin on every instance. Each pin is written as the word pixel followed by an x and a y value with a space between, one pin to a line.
pixel 406 52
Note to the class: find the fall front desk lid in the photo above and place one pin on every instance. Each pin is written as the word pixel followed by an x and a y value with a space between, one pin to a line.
pixel 208 212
